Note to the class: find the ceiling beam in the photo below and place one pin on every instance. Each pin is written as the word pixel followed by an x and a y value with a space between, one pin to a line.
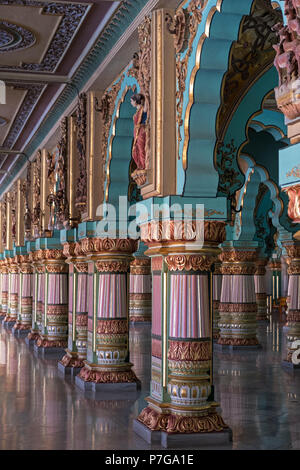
pixel 33 77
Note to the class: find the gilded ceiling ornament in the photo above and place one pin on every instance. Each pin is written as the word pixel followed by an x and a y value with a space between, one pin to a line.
pixel 71 17
pixel 14 37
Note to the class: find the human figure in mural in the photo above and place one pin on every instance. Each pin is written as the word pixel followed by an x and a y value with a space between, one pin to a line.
pixel 140 133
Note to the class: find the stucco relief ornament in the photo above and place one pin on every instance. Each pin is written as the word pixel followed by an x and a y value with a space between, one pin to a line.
pixel 25 188
pixel 106 108
pixel 141 131
pixel 287 61
pixel 36 215
pixel 81 183
pixel 294 204
pixel 141 70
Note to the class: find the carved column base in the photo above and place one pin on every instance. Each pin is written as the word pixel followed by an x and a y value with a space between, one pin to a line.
pixel 193 428
pixel 46 343
pixel 110 378
pixel 33 336
pixel 71 363
pixel 8 321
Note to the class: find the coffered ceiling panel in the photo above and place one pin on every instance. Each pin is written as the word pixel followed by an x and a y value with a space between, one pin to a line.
pixel 40 43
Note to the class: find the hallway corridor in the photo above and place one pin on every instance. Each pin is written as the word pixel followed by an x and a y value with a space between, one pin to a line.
pixel 42 410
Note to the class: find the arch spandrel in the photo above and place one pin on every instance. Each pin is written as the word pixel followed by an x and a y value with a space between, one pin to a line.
pixel 200 94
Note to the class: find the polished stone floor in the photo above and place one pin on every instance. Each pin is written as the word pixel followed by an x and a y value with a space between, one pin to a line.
pixel 42 410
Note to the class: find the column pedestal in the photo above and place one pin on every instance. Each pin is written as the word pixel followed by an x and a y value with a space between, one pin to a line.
pixel 293 316
pixel 107 367
pixel 238 308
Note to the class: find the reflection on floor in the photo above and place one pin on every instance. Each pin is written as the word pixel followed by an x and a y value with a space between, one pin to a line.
pixel 41 410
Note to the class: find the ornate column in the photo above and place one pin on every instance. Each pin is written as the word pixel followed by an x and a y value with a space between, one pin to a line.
pixel 238 308
pixel 5 283
pixel 23 325
pixel 2 314
pixel 293 317
pixel 260 289
pixel 140 309
pixel 107 366
pixel 37 298
pixel 217 288
pixel 181 407
pixel 76 353
pixel 13 292
pixel 54 327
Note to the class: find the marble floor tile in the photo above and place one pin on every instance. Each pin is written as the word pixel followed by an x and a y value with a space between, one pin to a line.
pixel 40 409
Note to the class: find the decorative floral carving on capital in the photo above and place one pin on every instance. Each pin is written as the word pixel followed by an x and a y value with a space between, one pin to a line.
pixel 108 245
pixel 81 267
pixel 112 266
pixel 69 249
pixel 238 256
pixel 238 269
pixel 189 262
pixel 172 230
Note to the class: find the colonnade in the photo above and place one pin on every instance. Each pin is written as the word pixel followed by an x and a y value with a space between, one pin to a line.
pixel 77 297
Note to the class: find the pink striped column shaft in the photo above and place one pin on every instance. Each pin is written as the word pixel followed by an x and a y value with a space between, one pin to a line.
pixel 108 305
pixel 238 308
pixel 217 288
